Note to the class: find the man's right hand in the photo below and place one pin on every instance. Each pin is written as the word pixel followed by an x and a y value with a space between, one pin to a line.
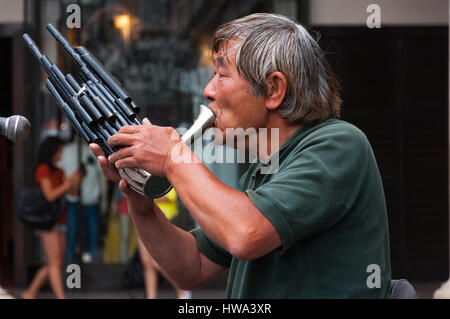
pixel 138 204
pixel 108 169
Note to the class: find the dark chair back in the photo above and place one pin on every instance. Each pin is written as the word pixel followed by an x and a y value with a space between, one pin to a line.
pixel 402 289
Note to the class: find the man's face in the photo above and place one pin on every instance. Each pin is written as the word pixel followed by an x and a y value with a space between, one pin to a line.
pixel 230 95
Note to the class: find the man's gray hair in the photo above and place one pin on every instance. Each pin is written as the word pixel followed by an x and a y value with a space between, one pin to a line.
pixel 269 43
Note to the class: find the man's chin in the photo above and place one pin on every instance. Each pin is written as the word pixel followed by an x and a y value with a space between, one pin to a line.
pixel 219 137
pixel 216 134
pixel 231 140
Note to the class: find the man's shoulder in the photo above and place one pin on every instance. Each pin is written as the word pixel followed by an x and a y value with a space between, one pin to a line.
pixel 335 128
pixel 332 135
pixel 328 141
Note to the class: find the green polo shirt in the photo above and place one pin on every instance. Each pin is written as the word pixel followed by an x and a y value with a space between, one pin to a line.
pixel 326 202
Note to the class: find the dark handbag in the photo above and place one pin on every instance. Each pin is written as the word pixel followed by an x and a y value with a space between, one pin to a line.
pixel 35 211
pixel 133 276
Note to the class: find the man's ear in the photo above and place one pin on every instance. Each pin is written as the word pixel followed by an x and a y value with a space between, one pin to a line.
pixel 276 90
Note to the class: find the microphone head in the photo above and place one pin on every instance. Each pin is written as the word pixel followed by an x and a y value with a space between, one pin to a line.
pixel 16 128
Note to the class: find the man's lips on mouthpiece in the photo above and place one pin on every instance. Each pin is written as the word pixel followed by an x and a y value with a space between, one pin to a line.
pixel 213 122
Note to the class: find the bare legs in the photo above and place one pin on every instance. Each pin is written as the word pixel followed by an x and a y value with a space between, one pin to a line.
pixel 150 272
pixel 54 247
pixel 151 269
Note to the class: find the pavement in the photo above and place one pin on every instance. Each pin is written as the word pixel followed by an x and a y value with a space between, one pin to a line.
pixel 4 294
pixel 424 290
pixel 15 293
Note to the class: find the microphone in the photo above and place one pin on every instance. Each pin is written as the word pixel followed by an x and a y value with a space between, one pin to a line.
pixel 16 128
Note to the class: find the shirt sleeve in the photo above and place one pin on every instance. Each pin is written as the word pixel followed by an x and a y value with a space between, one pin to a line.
pixel 314 187
pixel 210 249
pixel 62 175
pixel 42 171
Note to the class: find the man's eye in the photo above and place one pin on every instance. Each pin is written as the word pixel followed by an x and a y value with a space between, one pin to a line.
pixel 219 76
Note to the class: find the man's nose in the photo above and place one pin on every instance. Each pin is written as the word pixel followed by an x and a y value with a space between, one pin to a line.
pixel 209 92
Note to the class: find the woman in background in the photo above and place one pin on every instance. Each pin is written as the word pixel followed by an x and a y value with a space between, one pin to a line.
pixel 151 270
pixel 53 185
pixel 169 206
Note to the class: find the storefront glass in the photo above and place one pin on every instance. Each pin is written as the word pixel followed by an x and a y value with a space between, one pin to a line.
pixel 159 50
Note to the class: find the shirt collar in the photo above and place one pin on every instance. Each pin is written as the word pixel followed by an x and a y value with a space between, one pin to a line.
pixel 292 139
